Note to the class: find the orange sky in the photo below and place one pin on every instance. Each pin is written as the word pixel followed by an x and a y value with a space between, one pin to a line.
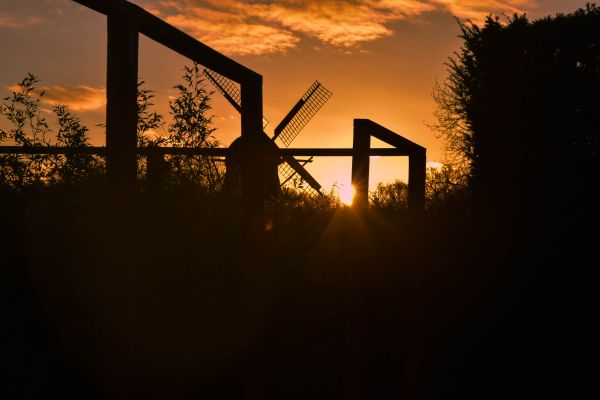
pixel 380 58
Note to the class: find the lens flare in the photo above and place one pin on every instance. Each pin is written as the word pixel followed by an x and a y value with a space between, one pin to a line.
pixel 347 195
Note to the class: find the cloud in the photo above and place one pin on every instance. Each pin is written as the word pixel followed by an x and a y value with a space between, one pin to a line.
pixel 264 26
pixel 16 22
pixel 232 34
pixel 477 10
pixel 19 14
pixel 78 98
pixel 341 23
pixel 228 26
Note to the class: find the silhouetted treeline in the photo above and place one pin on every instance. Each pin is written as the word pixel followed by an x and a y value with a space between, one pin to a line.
pixel 521 107
pixel 520 111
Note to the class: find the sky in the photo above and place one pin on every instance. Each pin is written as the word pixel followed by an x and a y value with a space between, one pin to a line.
pixel 380 58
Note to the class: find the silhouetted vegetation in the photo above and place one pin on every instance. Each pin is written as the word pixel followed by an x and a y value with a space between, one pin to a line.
pixel 190 127
pixel 30 129
pixel 519 112
pixel 446 186
pixel 474 299
pixel 520 108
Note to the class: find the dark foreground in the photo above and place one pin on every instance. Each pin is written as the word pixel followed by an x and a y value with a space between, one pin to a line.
pixel 168 301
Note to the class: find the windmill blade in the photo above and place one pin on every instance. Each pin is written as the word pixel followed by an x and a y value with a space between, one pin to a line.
pixel 288 177
pixel 229 89
pixel 290 167
pixel 288 173
pixel 306 108
pixel 300 170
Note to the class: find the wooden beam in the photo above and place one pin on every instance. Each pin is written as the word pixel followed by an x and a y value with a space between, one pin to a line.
pixel 340 152
pixel 389 137
pixel 201 151
pixel 121 108
pixel 171 37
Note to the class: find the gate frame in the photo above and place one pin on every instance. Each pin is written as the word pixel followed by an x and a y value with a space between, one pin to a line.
pixel 417 163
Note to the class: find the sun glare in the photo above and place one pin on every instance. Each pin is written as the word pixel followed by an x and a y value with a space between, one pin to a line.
pixel 347 195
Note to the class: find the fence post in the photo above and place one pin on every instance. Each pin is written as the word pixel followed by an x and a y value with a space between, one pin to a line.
pixel 416 181
pixel 360 163
pixel 121 107
pixel 252 155
pixel 121 171
pixel 255 287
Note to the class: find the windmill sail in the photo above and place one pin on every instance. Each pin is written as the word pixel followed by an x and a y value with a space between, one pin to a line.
pixel 306 108
pixel 229 89
pixel 288 175
pixel 299 169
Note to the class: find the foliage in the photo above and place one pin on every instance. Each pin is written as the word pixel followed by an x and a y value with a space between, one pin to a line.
pixel 148 121
pixel 390 196
pixel 295 198
pixel 451 122
pixel 192 127
pixel 519 108
pixel 30 129
pixel 445 186
pixel 23 111
pixel 76 167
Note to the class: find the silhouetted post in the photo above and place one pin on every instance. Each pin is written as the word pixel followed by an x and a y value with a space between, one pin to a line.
pixel 360 164
pixel 412 344
pixel 255 286
pixel 417 162
pixel 121 170
pixel 121 108
pixel 252 159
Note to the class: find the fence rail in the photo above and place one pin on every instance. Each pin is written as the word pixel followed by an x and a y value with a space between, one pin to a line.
pixel 198 151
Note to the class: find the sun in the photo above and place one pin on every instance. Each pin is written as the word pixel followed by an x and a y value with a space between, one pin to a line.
pixel 347 195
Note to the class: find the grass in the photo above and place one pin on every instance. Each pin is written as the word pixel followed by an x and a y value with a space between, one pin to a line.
pixel 168 301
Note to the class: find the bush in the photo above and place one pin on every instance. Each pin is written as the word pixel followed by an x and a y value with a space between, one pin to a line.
pixel 191 127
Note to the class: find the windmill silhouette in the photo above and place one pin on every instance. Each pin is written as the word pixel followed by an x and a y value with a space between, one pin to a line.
pixel 290 169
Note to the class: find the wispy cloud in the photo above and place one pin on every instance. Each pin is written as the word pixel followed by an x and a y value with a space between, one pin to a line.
pixel 266 26
pixel 19 14
pixel 8 20
pixel 259 27
pixel 78 98
pixel 341 22
pixel 477 10
pixel 233 33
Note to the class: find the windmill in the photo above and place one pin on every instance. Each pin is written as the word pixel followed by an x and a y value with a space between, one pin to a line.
pixel 287 130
